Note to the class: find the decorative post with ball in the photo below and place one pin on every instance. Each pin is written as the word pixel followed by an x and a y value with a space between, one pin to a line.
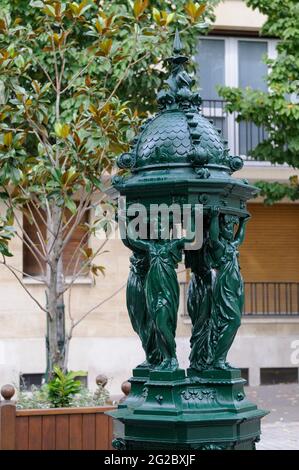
pixel 180 158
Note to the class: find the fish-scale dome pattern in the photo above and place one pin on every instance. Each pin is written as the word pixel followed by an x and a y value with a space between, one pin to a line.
pixel 170 137
pixel 210 139
pixel 165 139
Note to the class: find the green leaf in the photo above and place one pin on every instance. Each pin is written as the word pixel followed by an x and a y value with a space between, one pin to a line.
pixel 84 6
pixel 64 386
pixel 4 250
pixel 7 139
pixel 139 7
pixel 49 10
pixel 71 205
pixel 170 18
pixel 62 130
pixel 156 15
pixel 37 4
pixel 77 373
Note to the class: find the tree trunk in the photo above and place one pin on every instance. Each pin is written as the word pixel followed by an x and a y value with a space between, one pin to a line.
pixel 66 350
pixel 55 340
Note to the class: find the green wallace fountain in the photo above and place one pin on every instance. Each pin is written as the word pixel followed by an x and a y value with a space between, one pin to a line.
pixel 180 158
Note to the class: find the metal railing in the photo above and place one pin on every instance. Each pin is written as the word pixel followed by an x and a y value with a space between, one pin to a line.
pixel 242 137
pixel 262 299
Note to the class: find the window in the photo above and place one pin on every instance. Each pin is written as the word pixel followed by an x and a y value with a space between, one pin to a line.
pixel 252 73
pixel 28 380
pixel 211 60
pixel 252 69
pixel 83 379
pixel 72 257
pixel 211 67
pixel 278 375
pixel 233 62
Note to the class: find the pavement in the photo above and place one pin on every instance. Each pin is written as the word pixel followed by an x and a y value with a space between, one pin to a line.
pixel 280 428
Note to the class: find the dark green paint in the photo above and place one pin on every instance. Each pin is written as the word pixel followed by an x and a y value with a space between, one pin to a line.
pixel 215 306
pixel 179 157
pixel 140 317
pixel 228 289
pixel 161 294
pixel 206 410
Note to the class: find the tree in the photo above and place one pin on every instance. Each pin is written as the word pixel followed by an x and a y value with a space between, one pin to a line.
pixel 64 71
pixel 277 110
pixel 144 77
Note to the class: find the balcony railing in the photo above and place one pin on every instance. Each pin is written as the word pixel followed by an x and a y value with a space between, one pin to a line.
pixel 242 137
pixel 264 299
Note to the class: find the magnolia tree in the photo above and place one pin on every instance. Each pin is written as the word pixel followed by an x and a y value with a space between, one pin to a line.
pixel 65 68
pixel 278 110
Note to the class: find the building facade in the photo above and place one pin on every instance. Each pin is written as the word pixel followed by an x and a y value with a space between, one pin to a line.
pixel 104 341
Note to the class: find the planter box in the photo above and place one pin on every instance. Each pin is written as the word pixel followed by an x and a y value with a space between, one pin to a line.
pixel 55 428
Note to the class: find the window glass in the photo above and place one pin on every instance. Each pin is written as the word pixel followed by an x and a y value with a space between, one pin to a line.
pixel 252 73
pixel 252 69
pixel 210 59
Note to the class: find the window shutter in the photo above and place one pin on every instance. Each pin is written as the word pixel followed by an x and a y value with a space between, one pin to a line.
pixel 270 251
pixel 30 263
pixel 72 257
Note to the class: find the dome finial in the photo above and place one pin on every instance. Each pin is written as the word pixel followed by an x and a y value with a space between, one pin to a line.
pixel 177 43
pixel 179 82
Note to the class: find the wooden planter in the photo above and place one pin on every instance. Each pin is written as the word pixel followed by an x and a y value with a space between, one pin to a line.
pixel 53 429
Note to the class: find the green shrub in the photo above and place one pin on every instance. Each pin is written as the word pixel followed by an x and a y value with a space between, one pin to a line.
pixel 36 398
pixel 64 387
pixel 62 391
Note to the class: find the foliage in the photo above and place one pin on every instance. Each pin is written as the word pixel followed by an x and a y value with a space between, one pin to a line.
pixel 143 80
pixel 274 192
pixel 6 233
pixel 87 398
pixel 75 79
pixel 38 398
pixel 277 110
pixel 63 387
pixel 160 17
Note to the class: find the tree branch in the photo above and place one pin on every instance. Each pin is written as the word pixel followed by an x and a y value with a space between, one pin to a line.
pixel 30 245
pixel 11 269
pixel 39 233
pixel 45 72
pixel 85 265
pixel 120 80
pixel 77 75
pixel 26 275
pixel 83 240
pixel 41 138
pixel 76 323
pixel 80 212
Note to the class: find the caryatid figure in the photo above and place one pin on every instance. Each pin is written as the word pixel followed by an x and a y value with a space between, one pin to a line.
pixel 141 320
pixel 228 286
pixel 162 291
